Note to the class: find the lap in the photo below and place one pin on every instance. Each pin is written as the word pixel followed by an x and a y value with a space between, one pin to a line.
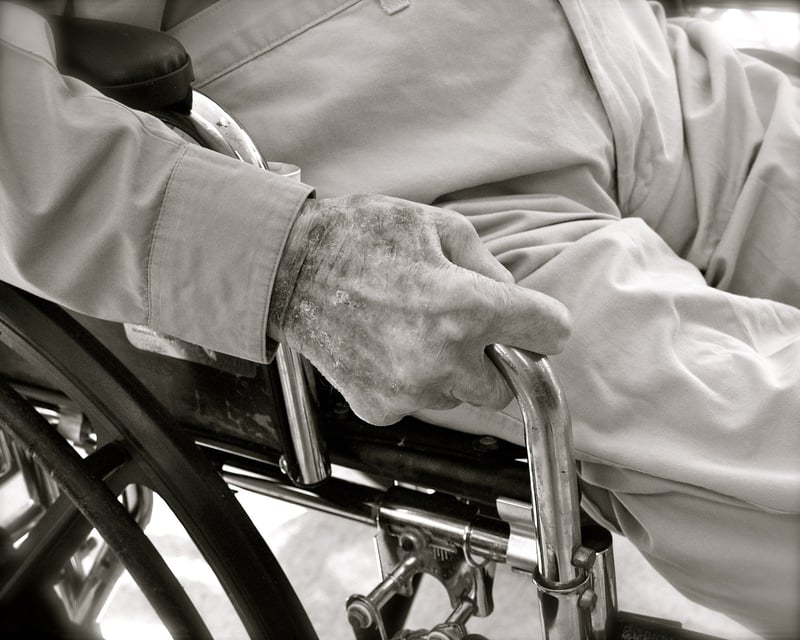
pixel 684 401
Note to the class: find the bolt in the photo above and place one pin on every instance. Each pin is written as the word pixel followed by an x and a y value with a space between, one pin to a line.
pixel 584 558
pixel 411 540
pixel 587 599
pixel 359 616
pixel 487 443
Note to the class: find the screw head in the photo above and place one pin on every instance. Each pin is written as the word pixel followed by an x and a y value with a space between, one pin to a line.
pixel 487 443
pixel 411 540
pixel 584 558
pixel 283 464
pixel 587 599
pixel 359 616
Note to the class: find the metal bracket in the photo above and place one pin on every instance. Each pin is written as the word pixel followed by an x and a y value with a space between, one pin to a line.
pixel 521 554
pixel 409 553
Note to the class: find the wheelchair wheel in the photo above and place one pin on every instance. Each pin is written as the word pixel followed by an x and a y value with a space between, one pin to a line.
pixel 133 443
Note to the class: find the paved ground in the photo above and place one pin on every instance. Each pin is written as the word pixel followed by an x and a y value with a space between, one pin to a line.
pixel 327 559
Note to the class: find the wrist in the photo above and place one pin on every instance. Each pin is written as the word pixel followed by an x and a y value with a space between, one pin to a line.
pixel 292 259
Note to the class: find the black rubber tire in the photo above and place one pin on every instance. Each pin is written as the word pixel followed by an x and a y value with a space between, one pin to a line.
pixel 124 413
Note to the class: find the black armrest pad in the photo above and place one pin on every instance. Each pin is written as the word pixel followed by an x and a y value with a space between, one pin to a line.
pixel 141 68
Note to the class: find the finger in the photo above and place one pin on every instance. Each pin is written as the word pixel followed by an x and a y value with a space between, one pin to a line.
pixel 484 386
pixel 463 247
pixel 374 414
pixel 527 319
pixel 386 411
pixel 442 402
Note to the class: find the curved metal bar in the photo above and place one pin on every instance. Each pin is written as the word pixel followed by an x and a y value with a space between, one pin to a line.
pixel 306 456
pixel 548 439
pixel 307 462
pixel 561 586
pixel 210 126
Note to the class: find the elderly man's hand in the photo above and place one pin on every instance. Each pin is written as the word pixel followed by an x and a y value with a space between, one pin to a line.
pixel 395 302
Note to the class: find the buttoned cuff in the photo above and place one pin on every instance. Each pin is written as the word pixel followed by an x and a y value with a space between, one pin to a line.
pixel 215 251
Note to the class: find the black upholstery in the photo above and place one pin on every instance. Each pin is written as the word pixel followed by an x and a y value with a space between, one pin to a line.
pixel 141 68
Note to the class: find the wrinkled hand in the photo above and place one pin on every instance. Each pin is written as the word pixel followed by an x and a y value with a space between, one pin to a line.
pixel 394 302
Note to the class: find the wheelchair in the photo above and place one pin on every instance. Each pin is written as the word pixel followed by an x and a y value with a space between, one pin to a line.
pixel 96 417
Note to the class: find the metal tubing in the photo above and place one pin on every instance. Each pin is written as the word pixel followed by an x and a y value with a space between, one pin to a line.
pixel 308 463
pixel 210 126
pixel 548 440
pixel 476 539
pixel 553 479
pixel 397 580
pixel 561 615
pixel 477 535
pixel 362 510
pixel 307 459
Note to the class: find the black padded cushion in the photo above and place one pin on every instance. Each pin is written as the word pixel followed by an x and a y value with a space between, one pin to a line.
pixel 141 68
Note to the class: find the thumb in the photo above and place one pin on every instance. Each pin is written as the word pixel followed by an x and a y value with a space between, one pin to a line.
pixel 526 319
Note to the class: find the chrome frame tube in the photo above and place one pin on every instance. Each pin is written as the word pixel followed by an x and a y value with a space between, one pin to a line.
pixel 551 462
pixel 554 488
pixel 307 462
pixel 477 537
pixel 363 510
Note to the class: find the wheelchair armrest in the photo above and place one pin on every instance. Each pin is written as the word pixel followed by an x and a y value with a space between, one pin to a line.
pixel 141 68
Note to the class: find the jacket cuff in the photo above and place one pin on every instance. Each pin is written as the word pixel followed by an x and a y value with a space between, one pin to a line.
pixel 215 251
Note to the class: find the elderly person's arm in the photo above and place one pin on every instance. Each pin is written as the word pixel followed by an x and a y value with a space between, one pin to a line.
pixel 107 212
pixel 395 302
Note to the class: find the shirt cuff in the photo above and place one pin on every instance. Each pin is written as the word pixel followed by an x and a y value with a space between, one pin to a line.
pixel 215 251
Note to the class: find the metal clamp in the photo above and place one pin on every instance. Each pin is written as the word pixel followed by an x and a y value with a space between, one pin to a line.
pixel 408 553
pixel 521 553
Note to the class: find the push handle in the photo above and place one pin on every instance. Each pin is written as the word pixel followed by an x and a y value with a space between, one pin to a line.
pixel 551 461
pixel 562 583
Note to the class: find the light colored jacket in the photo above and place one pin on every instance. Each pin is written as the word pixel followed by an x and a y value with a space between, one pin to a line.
pixel 107 212
pixel 569 133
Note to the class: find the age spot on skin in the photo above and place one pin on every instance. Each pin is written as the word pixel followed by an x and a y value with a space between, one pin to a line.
pixel 341 297
pixel 308 310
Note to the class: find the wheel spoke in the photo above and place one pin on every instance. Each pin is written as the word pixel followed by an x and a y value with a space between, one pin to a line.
pixel 100 506
pixel 62 528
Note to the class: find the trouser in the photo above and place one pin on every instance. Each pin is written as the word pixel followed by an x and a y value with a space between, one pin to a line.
pixel 686 399
pixel 685 403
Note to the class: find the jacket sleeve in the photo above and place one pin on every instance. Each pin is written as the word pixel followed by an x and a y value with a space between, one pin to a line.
pixel 106 211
